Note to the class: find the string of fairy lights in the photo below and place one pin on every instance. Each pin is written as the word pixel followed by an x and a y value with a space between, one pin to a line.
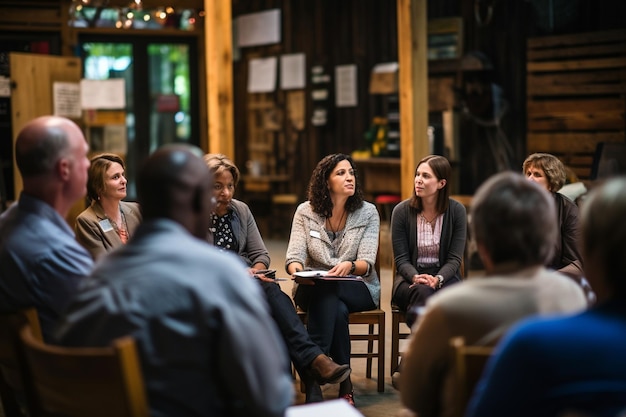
pixel 132 15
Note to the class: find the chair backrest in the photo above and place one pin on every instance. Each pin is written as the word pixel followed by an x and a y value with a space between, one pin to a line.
pixel 12 391
pixel 78 382
pixel 468 362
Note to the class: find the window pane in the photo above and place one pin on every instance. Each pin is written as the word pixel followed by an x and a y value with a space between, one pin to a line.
pixel 170 90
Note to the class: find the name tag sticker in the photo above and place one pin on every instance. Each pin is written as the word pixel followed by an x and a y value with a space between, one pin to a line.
pixel 106 225
pixel 315 234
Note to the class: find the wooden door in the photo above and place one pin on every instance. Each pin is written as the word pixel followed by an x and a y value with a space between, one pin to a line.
pixel 32 77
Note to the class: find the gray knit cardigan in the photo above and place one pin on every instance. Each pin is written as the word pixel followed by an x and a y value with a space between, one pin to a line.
pixel 310 245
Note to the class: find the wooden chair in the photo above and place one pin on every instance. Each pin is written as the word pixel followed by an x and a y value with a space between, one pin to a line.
pixel 375 321
pixel 79 382
pixel 398 332
pixel 468 363
pixel 12 390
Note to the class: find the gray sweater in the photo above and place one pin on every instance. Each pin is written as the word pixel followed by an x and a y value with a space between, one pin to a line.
pixel 310 245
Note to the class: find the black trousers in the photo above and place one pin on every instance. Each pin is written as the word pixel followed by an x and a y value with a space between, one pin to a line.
pixel 302 350
pixel 409 298
pixel 328 305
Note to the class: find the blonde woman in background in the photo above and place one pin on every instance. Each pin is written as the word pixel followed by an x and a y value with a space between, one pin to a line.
pixel 108 222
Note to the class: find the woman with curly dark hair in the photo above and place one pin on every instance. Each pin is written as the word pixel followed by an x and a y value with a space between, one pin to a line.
pixel 335 230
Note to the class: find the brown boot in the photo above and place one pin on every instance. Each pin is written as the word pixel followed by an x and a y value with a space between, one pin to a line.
pixel 325 371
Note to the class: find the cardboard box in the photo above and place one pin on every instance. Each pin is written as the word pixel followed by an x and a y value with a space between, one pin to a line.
pixel 384 78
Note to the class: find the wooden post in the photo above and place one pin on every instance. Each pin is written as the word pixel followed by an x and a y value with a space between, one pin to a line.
pixel 219 71
pixel 413 88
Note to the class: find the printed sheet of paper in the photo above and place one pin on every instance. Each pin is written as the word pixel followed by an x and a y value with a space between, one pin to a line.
pixel 345 86
pixel 262 75
pixel 103 94
pixel 261 28
pixel 66 99
pixel 292 71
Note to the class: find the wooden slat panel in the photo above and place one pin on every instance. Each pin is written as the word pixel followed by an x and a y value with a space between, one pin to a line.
pixel 577 39
pixel 595 50
pixel 570 142
pixel 581 172
pixel 543 80
pixel 564 106
pixel 576 64
pixel 576 90
pixel 39 17
pixel 577 160
pixel 578 121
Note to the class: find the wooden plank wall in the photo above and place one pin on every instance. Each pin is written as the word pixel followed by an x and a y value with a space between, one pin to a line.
pixel 329 33
pixel 576 95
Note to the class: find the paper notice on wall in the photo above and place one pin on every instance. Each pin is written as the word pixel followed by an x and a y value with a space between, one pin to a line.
pixel 103 94
pixel 66 99
pixel 115 139
pixel 262 75
pixel 261 28
pixel 5 87
pixel 292 71
pixel 345 85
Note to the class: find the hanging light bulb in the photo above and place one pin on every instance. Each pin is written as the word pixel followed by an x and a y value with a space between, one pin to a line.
pixel 136 4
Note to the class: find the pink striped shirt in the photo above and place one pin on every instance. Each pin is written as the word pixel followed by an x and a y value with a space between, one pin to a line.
pixel 428 240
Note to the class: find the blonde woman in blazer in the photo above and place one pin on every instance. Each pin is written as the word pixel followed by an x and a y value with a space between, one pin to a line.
pixel 108 222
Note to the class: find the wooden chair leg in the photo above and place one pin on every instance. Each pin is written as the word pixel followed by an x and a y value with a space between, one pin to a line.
pixel 381 355
pixel 370 351
pixel 395 341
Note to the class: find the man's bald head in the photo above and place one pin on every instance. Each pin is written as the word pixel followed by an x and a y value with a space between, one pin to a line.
pixel 42 142
pixel 175 183
pixel 51 154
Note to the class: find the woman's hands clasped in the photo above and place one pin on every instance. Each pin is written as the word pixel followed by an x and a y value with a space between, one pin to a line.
pixel 425 279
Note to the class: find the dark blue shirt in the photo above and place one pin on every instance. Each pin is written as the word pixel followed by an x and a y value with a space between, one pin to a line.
pixel 547 367
pixel 41 263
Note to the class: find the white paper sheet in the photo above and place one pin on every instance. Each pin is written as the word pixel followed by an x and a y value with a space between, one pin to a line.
pixel 261 28
pixel 345 86
pixel 103 94
pixel 66 99
pixel 292 71
pixel 5 87
pixel 262 75
pixel 385 67
pixel 329 408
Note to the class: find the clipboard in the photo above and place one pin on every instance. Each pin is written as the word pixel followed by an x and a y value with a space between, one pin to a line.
pixel 323 276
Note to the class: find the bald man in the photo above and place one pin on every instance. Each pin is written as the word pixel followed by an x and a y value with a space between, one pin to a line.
pixel 41 263
pixel 207 343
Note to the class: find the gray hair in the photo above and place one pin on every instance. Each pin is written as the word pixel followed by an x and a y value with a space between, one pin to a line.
pixel 515 220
